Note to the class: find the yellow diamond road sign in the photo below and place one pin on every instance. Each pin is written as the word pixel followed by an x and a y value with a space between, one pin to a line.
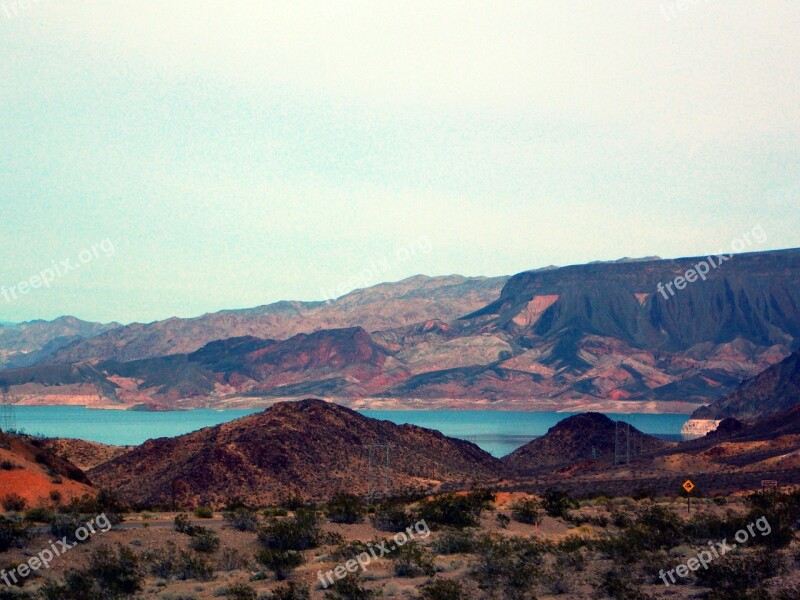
pixel 688 486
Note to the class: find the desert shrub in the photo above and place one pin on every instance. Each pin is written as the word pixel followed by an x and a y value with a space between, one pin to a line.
pixel 7 465
pixel 14 502
pixel 345 508
pixel 781 511
pixel 280 562
pixel 350 588
pixel 619 587
pixel 241 519
pixel 349 550
pixel 290 591
pixel 183 524
pixel 204 540
pixel 392 516
pixel 240 591
pixel 732 573
pixel 275 512
pixel 39 515
pixel 13 533
pixel 204 512
pixel 412 560
pixel 455 510
pixel 77 585
pixel 509 564
pixel 526 511
pixel 655 528
pixel 232 560
pixel 503 520
pixel 442 589
pixel 65 526
pixel 299 533
pixel 455 541
pixel 116 573
pixel 172 563
pixel 55 497
pixel 556 503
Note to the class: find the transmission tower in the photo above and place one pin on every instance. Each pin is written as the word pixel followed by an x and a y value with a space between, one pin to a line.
pixel 379 469
pixel 622 442
pixel 8 414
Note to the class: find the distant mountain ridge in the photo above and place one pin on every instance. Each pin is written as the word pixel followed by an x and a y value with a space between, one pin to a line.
pixel 584 337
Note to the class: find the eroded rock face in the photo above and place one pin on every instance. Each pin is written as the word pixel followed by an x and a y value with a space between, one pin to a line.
pixel 697 428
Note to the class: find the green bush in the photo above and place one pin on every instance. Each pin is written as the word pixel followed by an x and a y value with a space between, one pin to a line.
pixel 412 560
pixel 204 512
pixel 242 519
pixel 455 541
pixel 299 533
pixel 392 516
pixel 13 533
pixel 526 511
pixel 556 503
pixel 183 524
pixel 345 508
pixel 14 502
pixel 204 540
pixel 241 591
pixel 116 573
pixel 733 573
pixel 442 589
pixel 39 515
pixel 280 562
pixel 512 565
pixel 350 588
pixel 455 510
pixel 290 591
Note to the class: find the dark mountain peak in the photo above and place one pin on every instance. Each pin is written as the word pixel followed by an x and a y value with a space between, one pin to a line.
pixel 582 437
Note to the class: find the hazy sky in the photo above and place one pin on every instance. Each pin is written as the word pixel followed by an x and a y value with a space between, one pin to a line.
pixel 238 153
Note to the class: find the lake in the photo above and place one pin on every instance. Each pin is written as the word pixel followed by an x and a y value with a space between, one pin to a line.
pixel 497 432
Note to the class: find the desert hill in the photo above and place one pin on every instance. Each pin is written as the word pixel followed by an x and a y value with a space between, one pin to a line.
pixel 309 448
pixel 584 437
pixel 29 469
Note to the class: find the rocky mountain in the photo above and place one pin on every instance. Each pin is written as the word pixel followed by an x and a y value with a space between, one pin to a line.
pixel 774 390
pixel 24 344
pixel 309 448
pixel 579 438
pixel 614 337
pixel 383 306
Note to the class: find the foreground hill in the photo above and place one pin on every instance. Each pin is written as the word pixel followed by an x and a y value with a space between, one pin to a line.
pixel 309 448
pixel 30 470
pixel 579 438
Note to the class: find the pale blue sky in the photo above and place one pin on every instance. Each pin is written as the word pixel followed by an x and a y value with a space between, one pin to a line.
pixel 241 153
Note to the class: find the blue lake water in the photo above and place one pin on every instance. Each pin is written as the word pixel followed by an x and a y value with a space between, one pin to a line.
pixel 497 432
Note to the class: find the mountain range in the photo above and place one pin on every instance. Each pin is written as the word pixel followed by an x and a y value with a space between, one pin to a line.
pixel 598 336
